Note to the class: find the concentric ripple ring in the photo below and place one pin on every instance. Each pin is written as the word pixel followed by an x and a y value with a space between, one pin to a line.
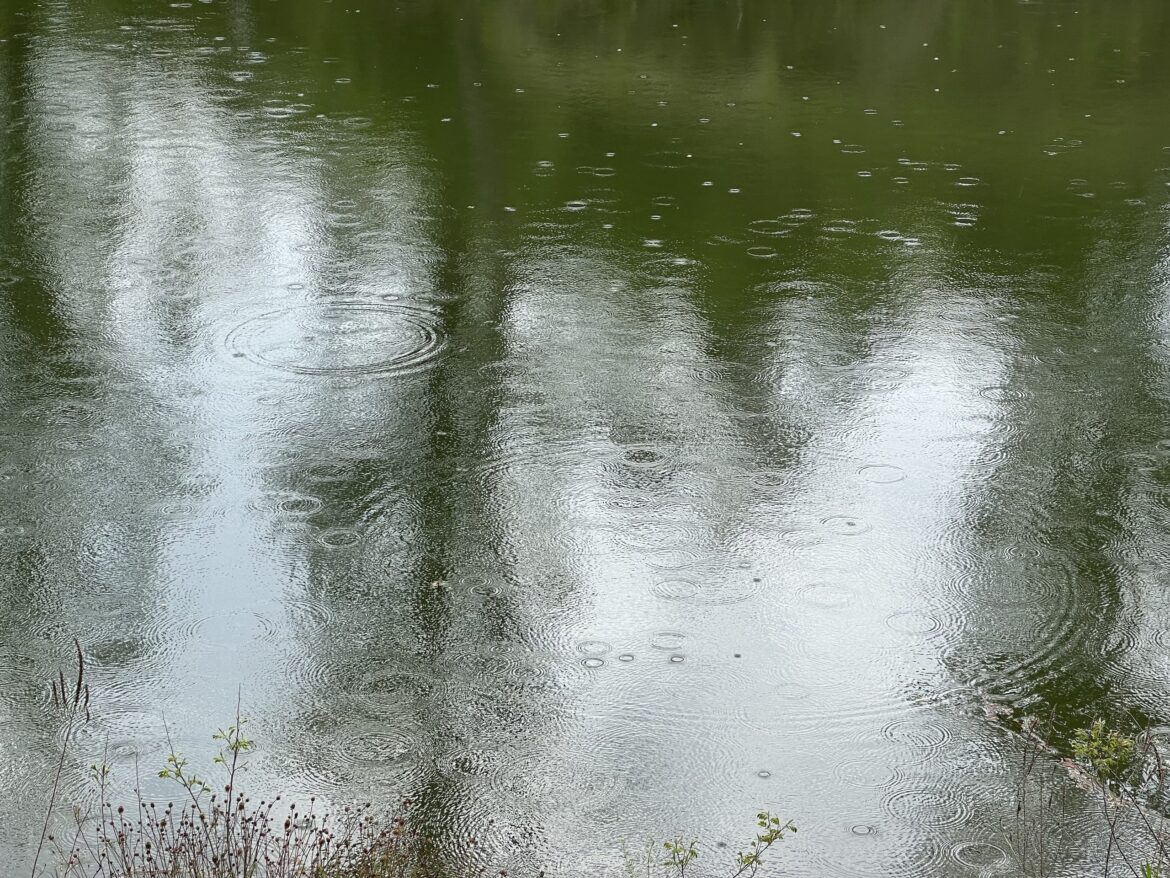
pixel 340 339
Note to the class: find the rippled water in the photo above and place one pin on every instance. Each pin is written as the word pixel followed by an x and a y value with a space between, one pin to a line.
pixel 594 420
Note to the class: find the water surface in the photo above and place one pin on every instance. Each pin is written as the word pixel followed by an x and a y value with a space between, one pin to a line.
pixel 595 420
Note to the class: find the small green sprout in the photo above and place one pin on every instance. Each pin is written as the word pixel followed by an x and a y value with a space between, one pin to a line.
pixel 1106 751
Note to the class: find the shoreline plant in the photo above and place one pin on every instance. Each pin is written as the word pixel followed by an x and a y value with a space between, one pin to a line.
pixel 215 830
pixel 680 853
pixel 1125 776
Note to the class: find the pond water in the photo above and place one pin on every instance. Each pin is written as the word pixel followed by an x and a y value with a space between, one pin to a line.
pixel 597 420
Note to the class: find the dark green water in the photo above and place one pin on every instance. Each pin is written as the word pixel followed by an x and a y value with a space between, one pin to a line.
pixel 595 419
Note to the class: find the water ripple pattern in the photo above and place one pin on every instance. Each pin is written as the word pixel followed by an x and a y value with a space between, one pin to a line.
pixel 593 420
pixel 340 339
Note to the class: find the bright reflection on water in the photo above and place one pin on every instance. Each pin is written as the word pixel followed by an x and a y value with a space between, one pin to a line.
pixel 596 421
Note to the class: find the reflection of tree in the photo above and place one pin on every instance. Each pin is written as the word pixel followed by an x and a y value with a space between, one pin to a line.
pixel 429 611
pixel 30 317
pixel 75 564
pixel 1061 533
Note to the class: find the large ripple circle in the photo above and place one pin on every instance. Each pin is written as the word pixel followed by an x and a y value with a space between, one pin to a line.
pixel 340 339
